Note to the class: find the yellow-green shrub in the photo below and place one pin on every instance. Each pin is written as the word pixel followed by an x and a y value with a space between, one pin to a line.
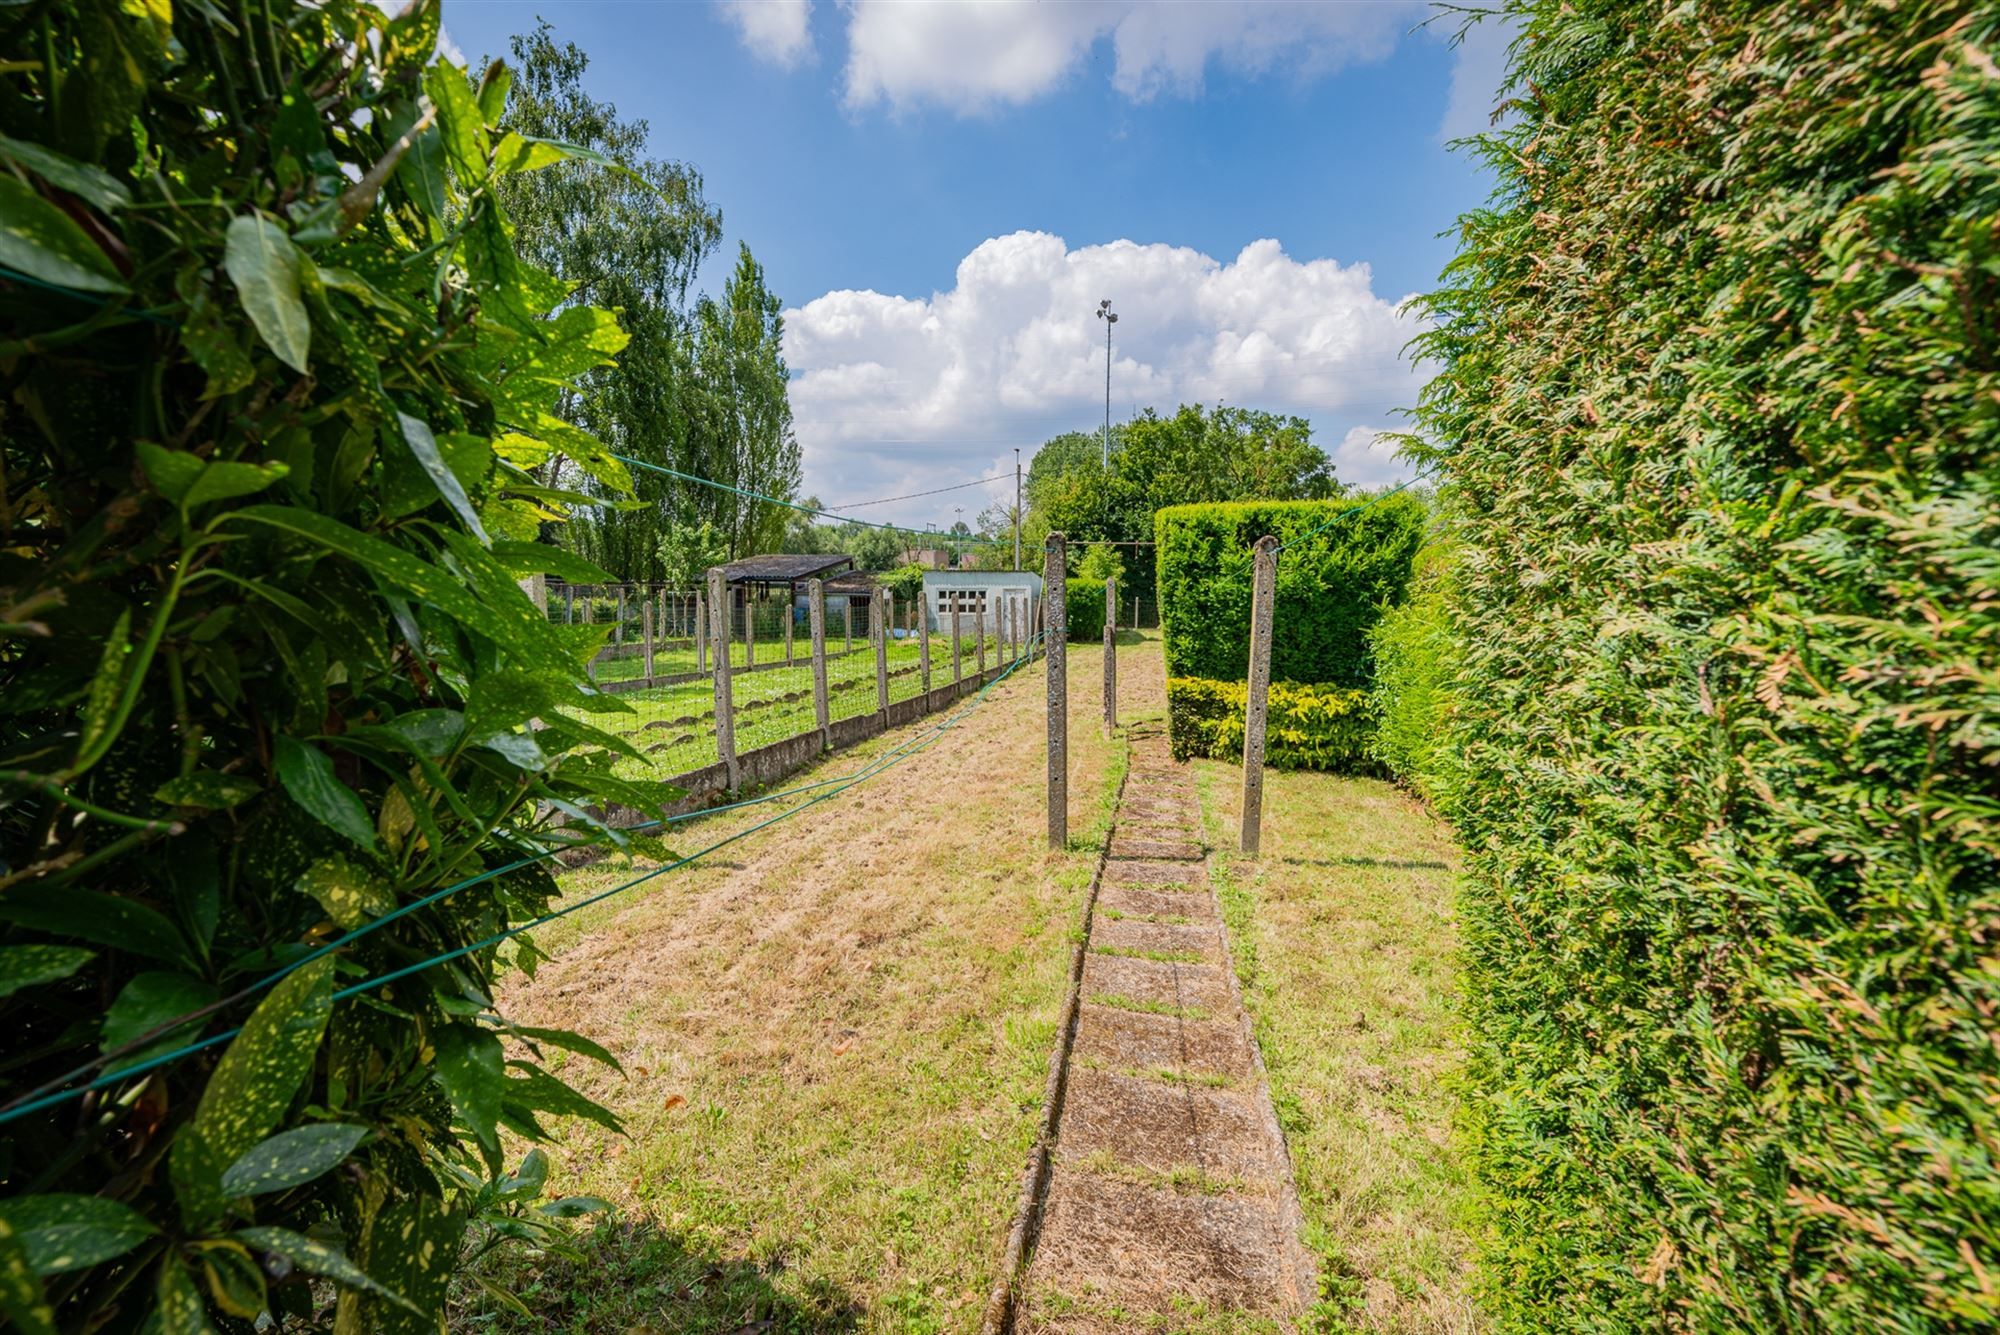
pixel 1307 726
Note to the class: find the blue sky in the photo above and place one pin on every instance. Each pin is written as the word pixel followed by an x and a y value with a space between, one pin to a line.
pixel 941 193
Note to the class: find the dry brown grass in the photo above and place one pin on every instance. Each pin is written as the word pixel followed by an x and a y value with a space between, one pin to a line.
pixel 835 1036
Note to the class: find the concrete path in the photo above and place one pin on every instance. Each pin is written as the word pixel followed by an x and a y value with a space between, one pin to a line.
pixel 1171 1203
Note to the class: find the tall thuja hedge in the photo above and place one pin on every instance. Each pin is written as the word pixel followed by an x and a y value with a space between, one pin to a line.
pixel 271 381
pixel 1333 583
pixel 1720 425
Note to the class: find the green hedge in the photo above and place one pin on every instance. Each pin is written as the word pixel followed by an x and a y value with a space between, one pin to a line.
pixel 1411 692
pixel 1307 726
pixel 1332 585
pixel 1083 600
pixel 1719 414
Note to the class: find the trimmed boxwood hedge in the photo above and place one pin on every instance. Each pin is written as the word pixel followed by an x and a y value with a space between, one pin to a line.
pixel 1719 418
pixel 1307 726
pixel 1083 600
pixel 1332 585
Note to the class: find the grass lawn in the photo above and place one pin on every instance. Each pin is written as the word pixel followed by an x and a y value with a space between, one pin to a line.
pixel 675 725
pixel 835 1036
pixel 1344 939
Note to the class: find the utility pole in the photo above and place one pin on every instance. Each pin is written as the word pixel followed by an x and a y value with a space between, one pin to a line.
pixel 1017 508
pixel 1104 314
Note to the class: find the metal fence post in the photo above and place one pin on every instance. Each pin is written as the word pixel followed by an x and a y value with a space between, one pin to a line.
pixel 955 666
pixel 1054 564
pixel 646 626
pixel 1110 655
pixel 725 705
pixel 1256 709
pixel 816 624
pixel 878 625
pixel 924 646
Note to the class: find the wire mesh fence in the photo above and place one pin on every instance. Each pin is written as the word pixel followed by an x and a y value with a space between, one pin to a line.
pixel 663 646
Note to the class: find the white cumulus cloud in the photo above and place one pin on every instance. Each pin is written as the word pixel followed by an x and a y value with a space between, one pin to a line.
pixel 773 30
pixel 893 394
pixel 976 56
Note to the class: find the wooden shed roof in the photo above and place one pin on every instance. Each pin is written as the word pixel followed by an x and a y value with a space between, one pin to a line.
pixel 782 568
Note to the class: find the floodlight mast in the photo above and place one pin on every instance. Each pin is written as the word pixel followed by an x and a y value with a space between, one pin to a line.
pixel 1104 313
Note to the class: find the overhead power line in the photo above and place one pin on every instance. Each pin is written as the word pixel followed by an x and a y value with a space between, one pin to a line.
pixel 934 491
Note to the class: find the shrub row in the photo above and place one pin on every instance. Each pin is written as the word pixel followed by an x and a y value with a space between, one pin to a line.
pixel 1719 418
pixel 1410 695
pixel 1307 726
pixel 1334 579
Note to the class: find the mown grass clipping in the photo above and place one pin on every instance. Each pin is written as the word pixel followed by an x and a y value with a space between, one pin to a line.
pixel 1719 425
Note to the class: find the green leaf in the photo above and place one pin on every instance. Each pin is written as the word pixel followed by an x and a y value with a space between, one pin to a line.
pixel 252 1087
pixel 523 153
pixel 92 915
pixel 26 966
pixel 493 90
pixel 264 264
pixel 181 1308
pixel 100 706
pixel 417 435
pixel 235 1280
pixel 585 450
pixel 307 774
pixel 291 1158
pixel 411 1247
pixel 147 1002
pixel 350 895
pixel 573 1207
pixel 472 1069
pixel 431 583
pixel 459 120
pixel 317 1258
pixel 225 480
pixel 422 172
pixel 541 558
pixel 526 1182
pixel 208 791
pixel 543 1092
pixel 21 1298
pixel 40 240
pixel 61 1232
pixel 94 185
pixel 171 472
pixel 571 1042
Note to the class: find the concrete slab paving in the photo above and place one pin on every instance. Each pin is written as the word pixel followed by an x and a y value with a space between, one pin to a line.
pixel 1170 1183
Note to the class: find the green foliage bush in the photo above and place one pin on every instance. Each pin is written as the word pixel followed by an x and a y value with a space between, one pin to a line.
pixel 1084 604
pixel 274 377
pixel 1410 696
pixel 1719 420
pixel 1306 726
pixel 1332 585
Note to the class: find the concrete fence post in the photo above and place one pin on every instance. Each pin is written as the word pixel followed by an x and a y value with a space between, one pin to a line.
pixel 816 627
pixel 791 611
pixel 955 664
pixel 569 607
pixel 879 612
pixel 847 625
pixel 646 627
pixel 537 589
pixel 620 640
pixel 924 647
pixel 1054 564
pixel 749 625
pixel 1256 709
pixel 980 631
pixel 1110 655
pixel 700 635
pixel 725 704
